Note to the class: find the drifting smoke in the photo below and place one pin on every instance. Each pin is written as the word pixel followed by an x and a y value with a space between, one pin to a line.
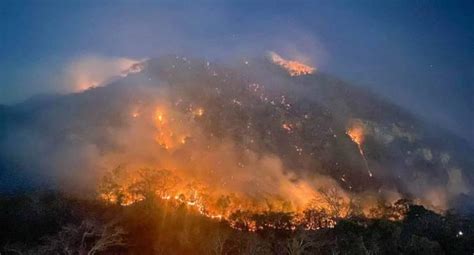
pixel 245 132
pixel 293 67
pixel 166 132
pixel 91 71
pixel 425 183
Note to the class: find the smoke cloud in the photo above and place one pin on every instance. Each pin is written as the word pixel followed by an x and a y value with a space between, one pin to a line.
pixel 91 71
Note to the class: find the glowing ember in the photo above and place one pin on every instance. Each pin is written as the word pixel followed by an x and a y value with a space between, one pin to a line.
pixel 171 130
pixel 159 116
pixel 199 112
pixel 293 67
pixel 288 127
pixel 135 114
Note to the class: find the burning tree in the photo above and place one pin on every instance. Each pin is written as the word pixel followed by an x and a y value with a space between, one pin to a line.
pixel 314 218
pixel 242 220
pixel 336 205
pixel 223 203
pixel 153 183
pixel 111 189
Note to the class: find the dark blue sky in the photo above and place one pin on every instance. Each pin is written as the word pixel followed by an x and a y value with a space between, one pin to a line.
pixel 420 54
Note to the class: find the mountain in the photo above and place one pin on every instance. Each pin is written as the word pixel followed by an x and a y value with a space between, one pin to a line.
pixel 233 123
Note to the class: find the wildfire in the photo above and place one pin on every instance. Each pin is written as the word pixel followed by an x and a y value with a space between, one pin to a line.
pixel 194 171
pixel 357 134
pixel 240 212
pixel 165 136
pixel 198 112
pixel 294 68
pixel 323 211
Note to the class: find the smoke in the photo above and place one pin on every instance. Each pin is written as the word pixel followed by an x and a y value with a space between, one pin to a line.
pixel 249 129
pixel 427 63
pixel 164 132
pixel 137 124
pixel 91 71
pixel 430 176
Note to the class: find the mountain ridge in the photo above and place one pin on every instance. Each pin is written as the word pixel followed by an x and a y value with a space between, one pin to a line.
pixel 317 109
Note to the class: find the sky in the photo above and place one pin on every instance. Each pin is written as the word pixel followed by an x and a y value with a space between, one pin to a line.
pixel 418 54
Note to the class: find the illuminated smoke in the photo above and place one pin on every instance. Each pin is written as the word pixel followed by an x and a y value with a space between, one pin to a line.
pixel 293 67
pixel 92 71
pixel 357 132
pixel 188 128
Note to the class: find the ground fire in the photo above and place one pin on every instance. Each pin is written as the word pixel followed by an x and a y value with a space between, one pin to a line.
pixel 185 184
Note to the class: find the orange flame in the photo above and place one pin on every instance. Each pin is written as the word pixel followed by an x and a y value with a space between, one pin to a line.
pixel 294 68
pixel 357 134
pixel 172 127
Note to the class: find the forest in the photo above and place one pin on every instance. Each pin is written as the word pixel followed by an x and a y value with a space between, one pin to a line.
pixel 51 222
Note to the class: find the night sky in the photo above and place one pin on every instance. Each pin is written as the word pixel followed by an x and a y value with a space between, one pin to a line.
pixel 419 54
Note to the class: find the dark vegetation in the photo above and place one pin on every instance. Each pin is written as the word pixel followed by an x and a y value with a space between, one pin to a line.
pixel 49 222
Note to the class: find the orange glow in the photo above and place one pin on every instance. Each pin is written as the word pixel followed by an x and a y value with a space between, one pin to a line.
pixel 199 112
pixel 170 131
pixel 159 116
pixel 294 68
pixel 84 84
pixel 247 182
pixel 135 114
pixel 357 134
pixel 325 207
pixel 288 127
